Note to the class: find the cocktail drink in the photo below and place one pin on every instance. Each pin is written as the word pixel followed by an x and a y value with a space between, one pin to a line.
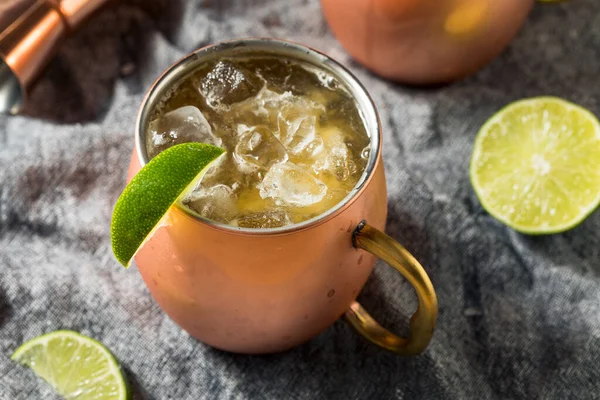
pixel 264 253
pixel 425 41
pixel 296 143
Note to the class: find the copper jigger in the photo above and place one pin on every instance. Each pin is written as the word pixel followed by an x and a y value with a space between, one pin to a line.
pixel 27 44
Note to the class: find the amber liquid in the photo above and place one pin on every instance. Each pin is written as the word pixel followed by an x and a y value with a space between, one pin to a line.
pixel 295 141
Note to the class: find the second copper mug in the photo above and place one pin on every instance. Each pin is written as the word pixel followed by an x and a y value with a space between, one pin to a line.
pixel 267 290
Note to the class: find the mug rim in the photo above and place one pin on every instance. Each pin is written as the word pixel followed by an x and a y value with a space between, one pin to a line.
pixel 365 105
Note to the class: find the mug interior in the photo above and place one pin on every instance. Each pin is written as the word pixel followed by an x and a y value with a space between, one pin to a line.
pixel 271 47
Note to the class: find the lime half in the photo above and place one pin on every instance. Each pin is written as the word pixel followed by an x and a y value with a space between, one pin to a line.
pixel 76 366
pixel 536 165
pixel 150 194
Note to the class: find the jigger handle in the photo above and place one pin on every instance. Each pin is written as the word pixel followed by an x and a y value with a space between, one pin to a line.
pixel 422 323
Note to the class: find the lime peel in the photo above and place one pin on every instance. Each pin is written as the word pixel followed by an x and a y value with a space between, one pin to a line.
pixel 536 165
pixel 152 191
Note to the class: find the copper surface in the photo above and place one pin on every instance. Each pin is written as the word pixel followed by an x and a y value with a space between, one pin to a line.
pixel 264 290
pixel 260 293
pixel 425 41
pixel 29 42
pixel 77 11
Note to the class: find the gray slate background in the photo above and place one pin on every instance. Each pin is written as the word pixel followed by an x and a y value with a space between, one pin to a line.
pixel 519 316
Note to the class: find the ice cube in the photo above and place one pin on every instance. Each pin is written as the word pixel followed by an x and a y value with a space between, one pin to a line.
pixel 288 184
pixel 228 84
pixel 298 133
pixel 269 219
pixel 269 105
pixel 266 104
pixel 336 159
pixel 258 148
pixel 185 124
pixel 216 202
pixel 339 161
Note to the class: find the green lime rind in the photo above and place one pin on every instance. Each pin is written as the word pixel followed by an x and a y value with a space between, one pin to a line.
pixel 575 137
pixel 150 194
pixel 76 366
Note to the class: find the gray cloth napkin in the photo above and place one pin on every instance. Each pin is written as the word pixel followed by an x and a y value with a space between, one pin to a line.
pixel 519 315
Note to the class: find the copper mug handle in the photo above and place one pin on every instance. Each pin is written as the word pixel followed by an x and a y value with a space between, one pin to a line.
pixel 422 323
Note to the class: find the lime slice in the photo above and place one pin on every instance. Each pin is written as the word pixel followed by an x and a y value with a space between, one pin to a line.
pixel 76 366
pixel 150 194
pixel 536 165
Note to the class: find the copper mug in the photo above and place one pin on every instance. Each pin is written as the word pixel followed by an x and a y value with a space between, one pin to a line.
pixel 267 290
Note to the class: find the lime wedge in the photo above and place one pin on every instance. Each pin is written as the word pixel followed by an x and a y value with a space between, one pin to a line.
pixel 150 194
pixel 76 366
pixel 536 165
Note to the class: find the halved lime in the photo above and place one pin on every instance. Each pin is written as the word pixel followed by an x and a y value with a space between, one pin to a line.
pixel 76 366
pixel 536 165
pixel 150 194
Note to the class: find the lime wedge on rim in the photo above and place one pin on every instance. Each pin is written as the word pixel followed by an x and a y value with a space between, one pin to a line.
pixel 150 194
pixel 536 165
pixel 76 366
